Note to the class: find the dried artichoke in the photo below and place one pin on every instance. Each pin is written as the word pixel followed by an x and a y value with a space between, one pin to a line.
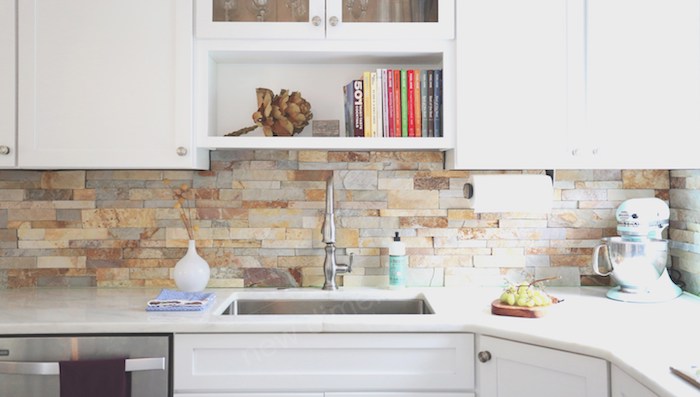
pixel 279 115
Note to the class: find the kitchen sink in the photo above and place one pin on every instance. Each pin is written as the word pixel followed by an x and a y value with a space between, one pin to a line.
pixel 327 306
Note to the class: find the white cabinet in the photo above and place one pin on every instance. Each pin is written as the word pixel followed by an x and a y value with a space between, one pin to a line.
pixel 399 394
pixel 336 364
pixel 511 62
pixel 250 395
pixel 577 84
pixel 624 385
pixel 513 369
pixel 106 84
pixel 643 82
pixel 8 100
pixel 319 19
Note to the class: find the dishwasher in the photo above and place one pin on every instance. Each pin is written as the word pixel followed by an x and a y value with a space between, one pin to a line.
pixel 29 365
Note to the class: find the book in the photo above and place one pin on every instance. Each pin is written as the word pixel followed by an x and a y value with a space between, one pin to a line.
pixel 373 103
pixel 348 102
pixel 410 102
pixel 416 104
pixel 437 102
pixel 397 103
pixel 390 102
pixel 385 98
pixel 358 108
pixel 424 102
pixel 366 103
pixel 430 95
pixel 404 103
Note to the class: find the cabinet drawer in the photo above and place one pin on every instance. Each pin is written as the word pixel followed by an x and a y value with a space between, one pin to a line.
pixel 324 362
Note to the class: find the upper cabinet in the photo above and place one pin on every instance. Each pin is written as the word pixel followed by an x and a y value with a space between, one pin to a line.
pixel 319 19
pixel 319 48
pixel 106 84
pixel 577 84
pixel 511 84
pixel 8 100
pixel 643 82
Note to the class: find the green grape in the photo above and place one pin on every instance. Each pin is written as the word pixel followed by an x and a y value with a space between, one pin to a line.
pixel 504 297
pixel 522 301
pixel 511 299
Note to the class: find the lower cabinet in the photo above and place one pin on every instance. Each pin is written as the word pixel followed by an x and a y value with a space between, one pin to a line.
pixel 624 385
pixel 328 365
pixel 513 369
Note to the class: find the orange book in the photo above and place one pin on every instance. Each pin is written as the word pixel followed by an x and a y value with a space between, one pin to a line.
pixel 397 102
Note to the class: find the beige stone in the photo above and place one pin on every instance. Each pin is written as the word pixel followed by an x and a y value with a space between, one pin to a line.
pixel 58 262
pixel 399 199
pixel 313 156
pixel 116 217
pixel 63 180
pixel 646 179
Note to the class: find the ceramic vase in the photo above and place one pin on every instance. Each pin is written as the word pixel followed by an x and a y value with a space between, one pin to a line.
pixel 191 272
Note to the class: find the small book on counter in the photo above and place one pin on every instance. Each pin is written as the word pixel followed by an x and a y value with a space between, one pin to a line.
pixel 177 301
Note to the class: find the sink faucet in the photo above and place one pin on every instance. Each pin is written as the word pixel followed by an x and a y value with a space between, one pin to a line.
pixel 330 267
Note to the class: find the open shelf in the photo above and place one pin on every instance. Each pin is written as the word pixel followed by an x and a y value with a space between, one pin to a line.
pixel 228 72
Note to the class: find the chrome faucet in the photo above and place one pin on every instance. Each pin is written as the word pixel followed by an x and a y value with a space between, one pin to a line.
pixel 330 267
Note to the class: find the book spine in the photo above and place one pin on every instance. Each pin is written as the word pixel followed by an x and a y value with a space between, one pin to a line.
pixel 404 103
pixel 385 104
pixel 424 102
pixel 410 102
pixel 347 107
pixel 416 104
pixel 366 101
pixel 397 103
pixel 373 102
pixel 437 103
pixel 379 105
pixel 431 97
pixel 390 101
pixel 358 108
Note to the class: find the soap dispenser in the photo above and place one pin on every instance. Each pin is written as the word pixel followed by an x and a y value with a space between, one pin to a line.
pixel 398 263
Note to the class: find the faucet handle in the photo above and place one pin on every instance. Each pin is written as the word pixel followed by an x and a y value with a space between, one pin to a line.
pixel 346 268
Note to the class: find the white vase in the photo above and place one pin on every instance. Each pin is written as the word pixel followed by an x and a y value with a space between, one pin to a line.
pixel 191 272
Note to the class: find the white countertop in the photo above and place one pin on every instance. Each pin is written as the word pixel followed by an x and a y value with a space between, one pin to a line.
pixel 642 339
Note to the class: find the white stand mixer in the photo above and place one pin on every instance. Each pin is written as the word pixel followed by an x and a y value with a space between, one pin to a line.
pixel 637 258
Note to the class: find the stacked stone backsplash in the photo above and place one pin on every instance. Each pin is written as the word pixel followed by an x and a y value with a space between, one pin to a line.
pixel 685 228
pixel 260 215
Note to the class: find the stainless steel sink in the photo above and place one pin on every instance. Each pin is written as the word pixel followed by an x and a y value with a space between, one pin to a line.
pixel 327 306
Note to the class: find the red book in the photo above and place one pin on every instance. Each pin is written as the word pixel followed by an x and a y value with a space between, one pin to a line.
pixel 397 102
pixel 390 101
pixel 410 81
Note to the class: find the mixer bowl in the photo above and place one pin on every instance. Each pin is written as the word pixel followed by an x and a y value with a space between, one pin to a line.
pixel 634 265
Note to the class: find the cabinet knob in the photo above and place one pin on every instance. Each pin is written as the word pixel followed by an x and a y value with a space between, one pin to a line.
pixel 594 151
pixel 181 151
pixel 574 152
pixel 316 21
pixel 484 356
pixel 333 21
pixel 4 149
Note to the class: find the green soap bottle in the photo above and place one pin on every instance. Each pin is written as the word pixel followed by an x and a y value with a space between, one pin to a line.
pixel 398 263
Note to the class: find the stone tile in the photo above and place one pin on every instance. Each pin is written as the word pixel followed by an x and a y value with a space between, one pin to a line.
pixel 646 179
pixel 422 222
pixel 313 156
pixel 359 180
pixel 116 217
pixel 57 262
pixel 63 180
pixel 398 199
pixel 431 183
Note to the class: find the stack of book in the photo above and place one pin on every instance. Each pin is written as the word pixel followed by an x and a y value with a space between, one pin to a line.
pixel 394 103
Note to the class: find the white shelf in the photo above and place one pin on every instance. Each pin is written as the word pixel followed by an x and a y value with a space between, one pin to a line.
pixel 327 143
pixel 228 72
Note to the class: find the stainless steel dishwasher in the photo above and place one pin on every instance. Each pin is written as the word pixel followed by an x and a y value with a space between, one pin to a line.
pixel 29 364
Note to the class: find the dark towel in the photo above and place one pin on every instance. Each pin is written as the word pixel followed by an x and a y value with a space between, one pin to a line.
pixel 94 378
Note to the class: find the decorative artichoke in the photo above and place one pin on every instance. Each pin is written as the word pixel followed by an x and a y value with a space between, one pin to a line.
pixel 283 114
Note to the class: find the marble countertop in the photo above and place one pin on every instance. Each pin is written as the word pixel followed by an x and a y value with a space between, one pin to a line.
pixel 642 339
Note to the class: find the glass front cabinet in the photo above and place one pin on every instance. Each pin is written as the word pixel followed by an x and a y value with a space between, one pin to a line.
pixel 320 19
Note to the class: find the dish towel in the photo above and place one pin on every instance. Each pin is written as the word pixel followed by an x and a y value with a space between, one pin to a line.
pixel 90 378
pixel 172 300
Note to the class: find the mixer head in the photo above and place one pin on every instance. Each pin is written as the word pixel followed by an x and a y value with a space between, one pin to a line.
pixel 642 218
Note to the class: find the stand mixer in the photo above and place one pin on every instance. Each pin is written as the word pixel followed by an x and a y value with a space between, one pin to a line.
pixel 637 258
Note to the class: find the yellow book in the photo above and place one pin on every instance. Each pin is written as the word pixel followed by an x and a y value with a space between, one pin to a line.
pixel 366 84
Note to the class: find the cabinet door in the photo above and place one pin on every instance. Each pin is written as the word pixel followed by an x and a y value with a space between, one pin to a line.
pixel 260 19
pixel 624 385
pixel 513 369
pixel 390 19
pixel 106 84
pixel 8 99
pixel 643 82
pixel 321 362
pixel 511 84
pixel 399 394
pixel 249 395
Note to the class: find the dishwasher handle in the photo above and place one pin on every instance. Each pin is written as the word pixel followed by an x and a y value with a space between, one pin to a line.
pixel 51 368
